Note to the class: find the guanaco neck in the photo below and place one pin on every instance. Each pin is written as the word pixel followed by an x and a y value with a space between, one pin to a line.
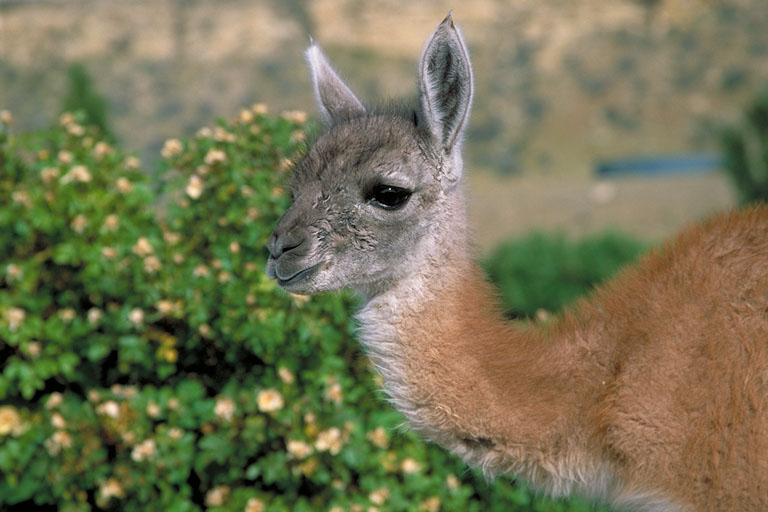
pixel 506 397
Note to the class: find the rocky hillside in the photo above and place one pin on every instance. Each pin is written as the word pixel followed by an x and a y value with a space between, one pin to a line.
pixel 560 84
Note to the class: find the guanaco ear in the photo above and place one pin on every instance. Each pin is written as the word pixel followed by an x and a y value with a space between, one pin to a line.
pixel 445 84
pixel 335 100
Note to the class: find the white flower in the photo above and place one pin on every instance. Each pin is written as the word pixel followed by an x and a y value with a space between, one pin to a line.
pixel 144 450
pixel 254 505
pixel 15 318
pixel 109 408
pixel 94 316
pixel 224 408
pixel 217 496
pixel 136 316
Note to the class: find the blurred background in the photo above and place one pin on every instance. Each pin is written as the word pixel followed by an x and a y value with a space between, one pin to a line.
pixel 148 363
pixel 588 115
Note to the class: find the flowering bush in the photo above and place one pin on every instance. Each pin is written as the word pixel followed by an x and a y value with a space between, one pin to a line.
pixel 149 364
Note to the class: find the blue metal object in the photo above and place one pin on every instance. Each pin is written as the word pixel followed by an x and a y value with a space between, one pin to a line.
pixel 658 165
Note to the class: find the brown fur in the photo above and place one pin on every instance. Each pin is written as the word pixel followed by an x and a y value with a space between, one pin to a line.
pixel 662 376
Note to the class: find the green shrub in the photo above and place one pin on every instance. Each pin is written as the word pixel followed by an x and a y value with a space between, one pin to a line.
pixel 745 152
pixel 546 272
pixel 149 364
pixel 83 98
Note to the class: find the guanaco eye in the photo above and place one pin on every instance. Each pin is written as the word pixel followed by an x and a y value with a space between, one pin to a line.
pixel 389 197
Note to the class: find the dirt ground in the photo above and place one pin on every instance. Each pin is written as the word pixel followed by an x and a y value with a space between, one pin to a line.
pixel 652 208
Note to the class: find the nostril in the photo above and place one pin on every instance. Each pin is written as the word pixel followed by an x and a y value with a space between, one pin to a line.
pixel 279 245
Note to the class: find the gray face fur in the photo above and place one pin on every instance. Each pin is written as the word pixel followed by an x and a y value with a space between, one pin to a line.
pixel 374 197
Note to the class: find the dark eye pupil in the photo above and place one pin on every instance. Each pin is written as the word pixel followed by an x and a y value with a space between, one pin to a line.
pixel 389 197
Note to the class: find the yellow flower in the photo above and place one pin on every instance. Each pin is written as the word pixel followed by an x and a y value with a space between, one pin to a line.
pixel 171 237
pixel 430 504
pixel 153 410
pixel 57 420
pixel 111 222
pixel 64 157
pixel 33 349
pixel 67 314
pixel 175 433
pixel 169 354
pixel 217 496
pixel 13 271
pixel 215 156
pixel 333 392
pixel 171 148
pixel 204 330
pixel 77 173
pixel 66 119
pixel 410 466
pixel 204 133
pixel 246 116
pixel 142 247
pixel 224 408
pixel 132 163
pixel 49 174
pixel 295 116
pixel 101 149
pixel 452 482
pixel 234 247
pixel 329 441
pixel 21 197
pixel 109 489
pixel 201 271
pixel 124 185
pixel 270 400
pixel 259 109
pixel 152 264
pixel 379 437
pixel 15 318
pixel 144 450
pixel 108 252
pixel 285 375
pixel 195 186
pixel 223 135
pixel 254 505
pixel 54 400
pixel 57 441
pixel 75 129
pixel 164 306
pixel 6 117
pixel 79 223
pixel 379 496
pixel 10 420
pixel 298 449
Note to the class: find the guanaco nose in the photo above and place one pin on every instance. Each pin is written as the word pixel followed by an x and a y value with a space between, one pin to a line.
pixel 281 243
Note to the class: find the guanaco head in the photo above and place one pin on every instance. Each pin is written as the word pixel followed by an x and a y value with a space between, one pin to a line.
pixel 375 195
